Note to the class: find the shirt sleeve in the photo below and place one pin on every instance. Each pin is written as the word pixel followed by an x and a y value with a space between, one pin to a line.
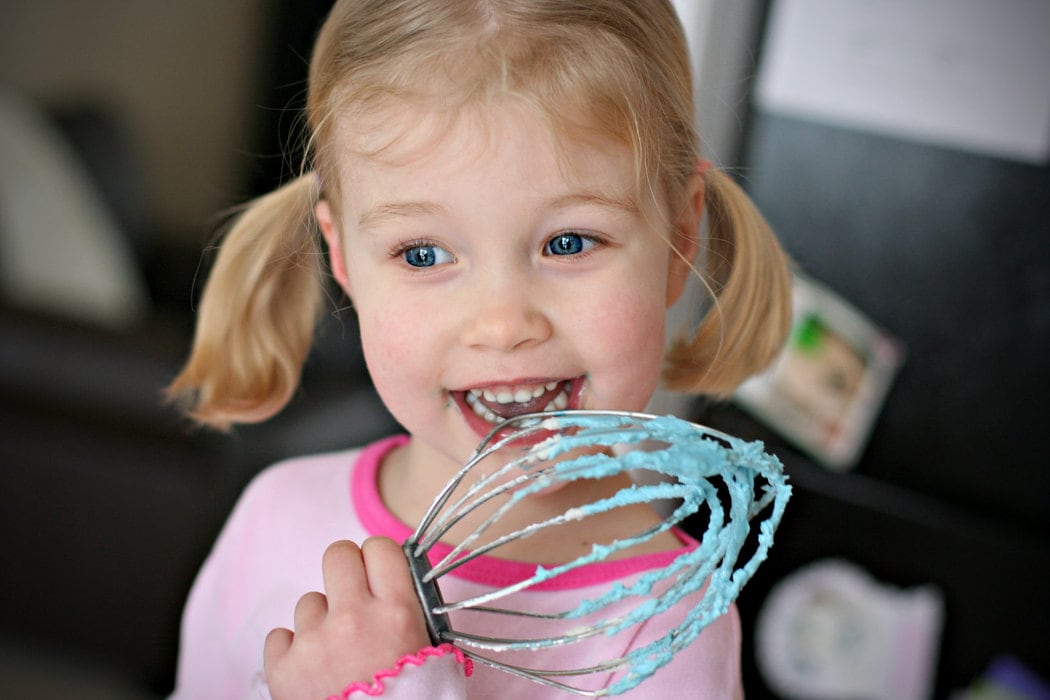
pixel 267 556
pixel 213 658
pixel 439 673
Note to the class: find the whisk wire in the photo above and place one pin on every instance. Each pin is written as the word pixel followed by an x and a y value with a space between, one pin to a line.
pixel 695 468
pixel 684 586
pixel 598 553
pixel 623 498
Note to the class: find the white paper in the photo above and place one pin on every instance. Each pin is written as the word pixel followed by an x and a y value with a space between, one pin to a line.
pixel 967 74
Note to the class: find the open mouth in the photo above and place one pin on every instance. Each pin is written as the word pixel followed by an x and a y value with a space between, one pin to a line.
pixel 496 404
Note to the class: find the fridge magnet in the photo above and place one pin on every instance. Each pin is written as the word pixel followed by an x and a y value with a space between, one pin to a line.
pixel 825 389
pixel 830 630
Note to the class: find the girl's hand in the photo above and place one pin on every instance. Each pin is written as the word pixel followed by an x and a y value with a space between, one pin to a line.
pixel 369 619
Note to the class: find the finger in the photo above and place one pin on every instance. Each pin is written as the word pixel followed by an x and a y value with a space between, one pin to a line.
pixel 391 582
pixel 310 611
pixel 387 569
pixel 344 573
pixel 277 644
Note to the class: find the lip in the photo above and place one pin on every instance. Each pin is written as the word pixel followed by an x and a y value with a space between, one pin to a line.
pixel 481 427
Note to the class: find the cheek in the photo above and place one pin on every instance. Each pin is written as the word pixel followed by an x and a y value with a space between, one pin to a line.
pixel 387 342
pixel 630 334
pixel 386 329
pixel 635 326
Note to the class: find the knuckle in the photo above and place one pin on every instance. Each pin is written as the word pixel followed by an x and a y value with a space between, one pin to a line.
pixel 340 548
pixel 276 636
pixel 383 549
pixel 380 543
pixel 311 602
pixel 404 618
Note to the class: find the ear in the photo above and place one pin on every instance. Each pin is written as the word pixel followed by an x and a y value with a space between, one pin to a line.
pixel 685 240
pixel 334 238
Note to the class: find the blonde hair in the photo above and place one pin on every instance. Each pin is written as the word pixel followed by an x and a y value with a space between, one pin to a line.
pixel 616 69
pixel 748 276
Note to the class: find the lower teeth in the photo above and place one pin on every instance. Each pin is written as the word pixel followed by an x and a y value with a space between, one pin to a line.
pixel 559 402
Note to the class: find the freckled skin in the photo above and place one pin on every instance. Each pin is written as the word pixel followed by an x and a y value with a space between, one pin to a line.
pixel 444 247
pixel 497 307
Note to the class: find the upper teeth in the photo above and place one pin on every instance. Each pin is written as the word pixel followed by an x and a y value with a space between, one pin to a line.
pixel 521 394
pixel 507 394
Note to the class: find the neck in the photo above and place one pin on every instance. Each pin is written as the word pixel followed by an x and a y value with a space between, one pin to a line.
pixel 410 478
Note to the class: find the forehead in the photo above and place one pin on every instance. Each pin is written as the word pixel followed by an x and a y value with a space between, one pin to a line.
pixel 409 140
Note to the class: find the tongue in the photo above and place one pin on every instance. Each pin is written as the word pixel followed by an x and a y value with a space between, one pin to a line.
pixel 534 405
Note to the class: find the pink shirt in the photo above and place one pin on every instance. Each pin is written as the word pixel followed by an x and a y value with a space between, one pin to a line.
pixel 269 554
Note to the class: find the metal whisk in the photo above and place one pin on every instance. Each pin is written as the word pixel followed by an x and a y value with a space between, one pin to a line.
pixel 690 469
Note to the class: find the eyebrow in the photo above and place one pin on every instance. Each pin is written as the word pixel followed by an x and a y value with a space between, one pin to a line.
pixel 624 203
pixel 393 210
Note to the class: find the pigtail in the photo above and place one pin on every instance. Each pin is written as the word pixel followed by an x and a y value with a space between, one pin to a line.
pixel 750 315
pixel 258 312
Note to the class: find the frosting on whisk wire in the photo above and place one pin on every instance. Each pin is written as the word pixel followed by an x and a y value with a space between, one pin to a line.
pixel 697 469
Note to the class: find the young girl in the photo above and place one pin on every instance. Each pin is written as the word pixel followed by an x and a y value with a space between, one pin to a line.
pixel 511 195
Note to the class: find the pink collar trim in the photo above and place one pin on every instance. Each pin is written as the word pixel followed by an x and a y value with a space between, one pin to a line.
pixel 488 570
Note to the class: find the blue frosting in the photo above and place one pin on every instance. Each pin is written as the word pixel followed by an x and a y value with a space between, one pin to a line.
pixel 733 479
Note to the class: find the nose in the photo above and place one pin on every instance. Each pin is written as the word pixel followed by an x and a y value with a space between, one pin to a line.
pixel 505 316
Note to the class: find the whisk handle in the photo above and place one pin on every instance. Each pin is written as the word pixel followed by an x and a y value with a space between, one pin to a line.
pixel 429 594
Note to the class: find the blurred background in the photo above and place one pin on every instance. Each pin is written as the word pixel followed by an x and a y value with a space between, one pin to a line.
pixel 127 129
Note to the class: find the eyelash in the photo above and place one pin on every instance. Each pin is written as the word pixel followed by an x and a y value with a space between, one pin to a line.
pixel 399 251
pixel 589 243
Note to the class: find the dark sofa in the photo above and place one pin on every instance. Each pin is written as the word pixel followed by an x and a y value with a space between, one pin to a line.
pixel 111 500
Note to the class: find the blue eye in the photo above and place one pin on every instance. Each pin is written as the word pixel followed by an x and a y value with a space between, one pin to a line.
pixel 569 244
pixel 426 255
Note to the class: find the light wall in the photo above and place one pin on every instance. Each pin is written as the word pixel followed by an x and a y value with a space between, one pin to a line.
pixel 180 72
